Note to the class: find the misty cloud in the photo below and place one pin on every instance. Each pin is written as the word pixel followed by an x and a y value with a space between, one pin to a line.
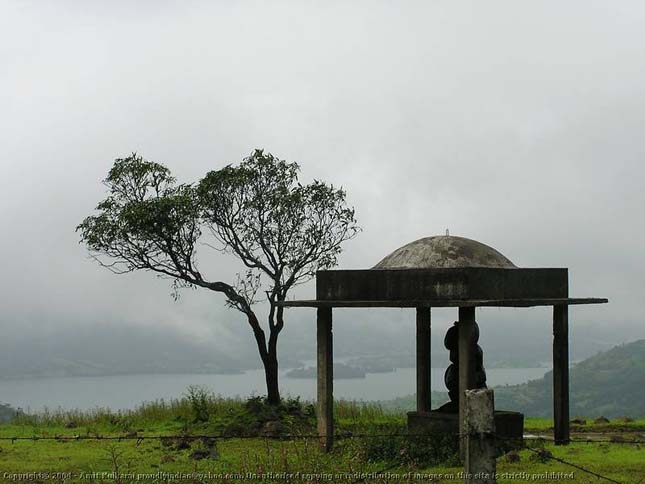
pixel 516 124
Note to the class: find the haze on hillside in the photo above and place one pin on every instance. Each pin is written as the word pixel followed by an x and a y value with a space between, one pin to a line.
pixel 518 125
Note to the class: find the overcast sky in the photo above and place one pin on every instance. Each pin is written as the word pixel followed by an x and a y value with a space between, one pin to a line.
pixel 519 124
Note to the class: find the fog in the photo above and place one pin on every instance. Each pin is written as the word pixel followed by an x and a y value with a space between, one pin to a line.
pixel 516 124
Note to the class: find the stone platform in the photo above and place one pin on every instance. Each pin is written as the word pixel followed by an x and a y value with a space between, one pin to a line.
pixel 508 425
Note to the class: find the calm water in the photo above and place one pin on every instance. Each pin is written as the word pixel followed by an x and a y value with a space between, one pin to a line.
pixel 123 392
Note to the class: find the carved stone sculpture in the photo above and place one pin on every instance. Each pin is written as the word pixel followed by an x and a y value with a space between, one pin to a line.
pixel 451 377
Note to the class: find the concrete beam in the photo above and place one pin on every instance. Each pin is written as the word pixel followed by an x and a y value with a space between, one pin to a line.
pixel 468 283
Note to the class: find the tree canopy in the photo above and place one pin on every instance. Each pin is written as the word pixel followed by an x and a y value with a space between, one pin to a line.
pixel 281 230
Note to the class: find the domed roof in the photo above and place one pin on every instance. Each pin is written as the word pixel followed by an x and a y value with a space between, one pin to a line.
pixel 444 251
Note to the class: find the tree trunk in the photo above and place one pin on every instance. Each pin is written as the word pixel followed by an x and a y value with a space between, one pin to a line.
pixel 269 357
pixel 271 375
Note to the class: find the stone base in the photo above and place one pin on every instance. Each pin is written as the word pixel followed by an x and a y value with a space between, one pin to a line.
pixel 508 425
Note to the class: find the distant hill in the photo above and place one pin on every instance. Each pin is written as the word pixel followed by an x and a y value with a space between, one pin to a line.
pixel 341 372
pixel 611 383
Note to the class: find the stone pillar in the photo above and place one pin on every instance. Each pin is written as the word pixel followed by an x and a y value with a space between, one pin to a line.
pixel 479 462
pixel 467 349
pixel 561 374
pixel 424 391
pixel 325 375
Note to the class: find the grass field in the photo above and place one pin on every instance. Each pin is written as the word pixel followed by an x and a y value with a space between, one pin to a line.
pixel 258 449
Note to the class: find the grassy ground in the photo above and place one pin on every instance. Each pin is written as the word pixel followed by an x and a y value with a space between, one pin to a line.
pixel 625 424
pixel 266 455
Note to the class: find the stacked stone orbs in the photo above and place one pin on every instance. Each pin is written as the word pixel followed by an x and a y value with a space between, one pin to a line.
pixel 451 377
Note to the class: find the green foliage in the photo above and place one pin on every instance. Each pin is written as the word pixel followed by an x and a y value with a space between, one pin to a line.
pixel 423 451
pixel 388 442
pixel 258 417
pixel 199 398
pixel 358 411
pixel 272 222
pixel 146 222
pixel 176 413
pixel 280 230
pixel 257 210
pixel 367 451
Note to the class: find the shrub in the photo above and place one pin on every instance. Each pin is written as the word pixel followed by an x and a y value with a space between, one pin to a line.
pixel 199 397
pixel 258 417
pixel 390 443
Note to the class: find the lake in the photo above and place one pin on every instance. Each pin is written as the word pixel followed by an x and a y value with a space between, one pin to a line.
pixel 127 391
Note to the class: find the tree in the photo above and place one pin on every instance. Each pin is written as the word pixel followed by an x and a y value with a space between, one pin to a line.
pixel 281 230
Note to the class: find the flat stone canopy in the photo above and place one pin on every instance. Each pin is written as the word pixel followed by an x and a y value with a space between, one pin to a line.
pixel 443 271
pixel 444 251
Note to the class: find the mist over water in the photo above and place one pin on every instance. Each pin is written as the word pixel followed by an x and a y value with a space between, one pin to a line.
pixel 128 391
